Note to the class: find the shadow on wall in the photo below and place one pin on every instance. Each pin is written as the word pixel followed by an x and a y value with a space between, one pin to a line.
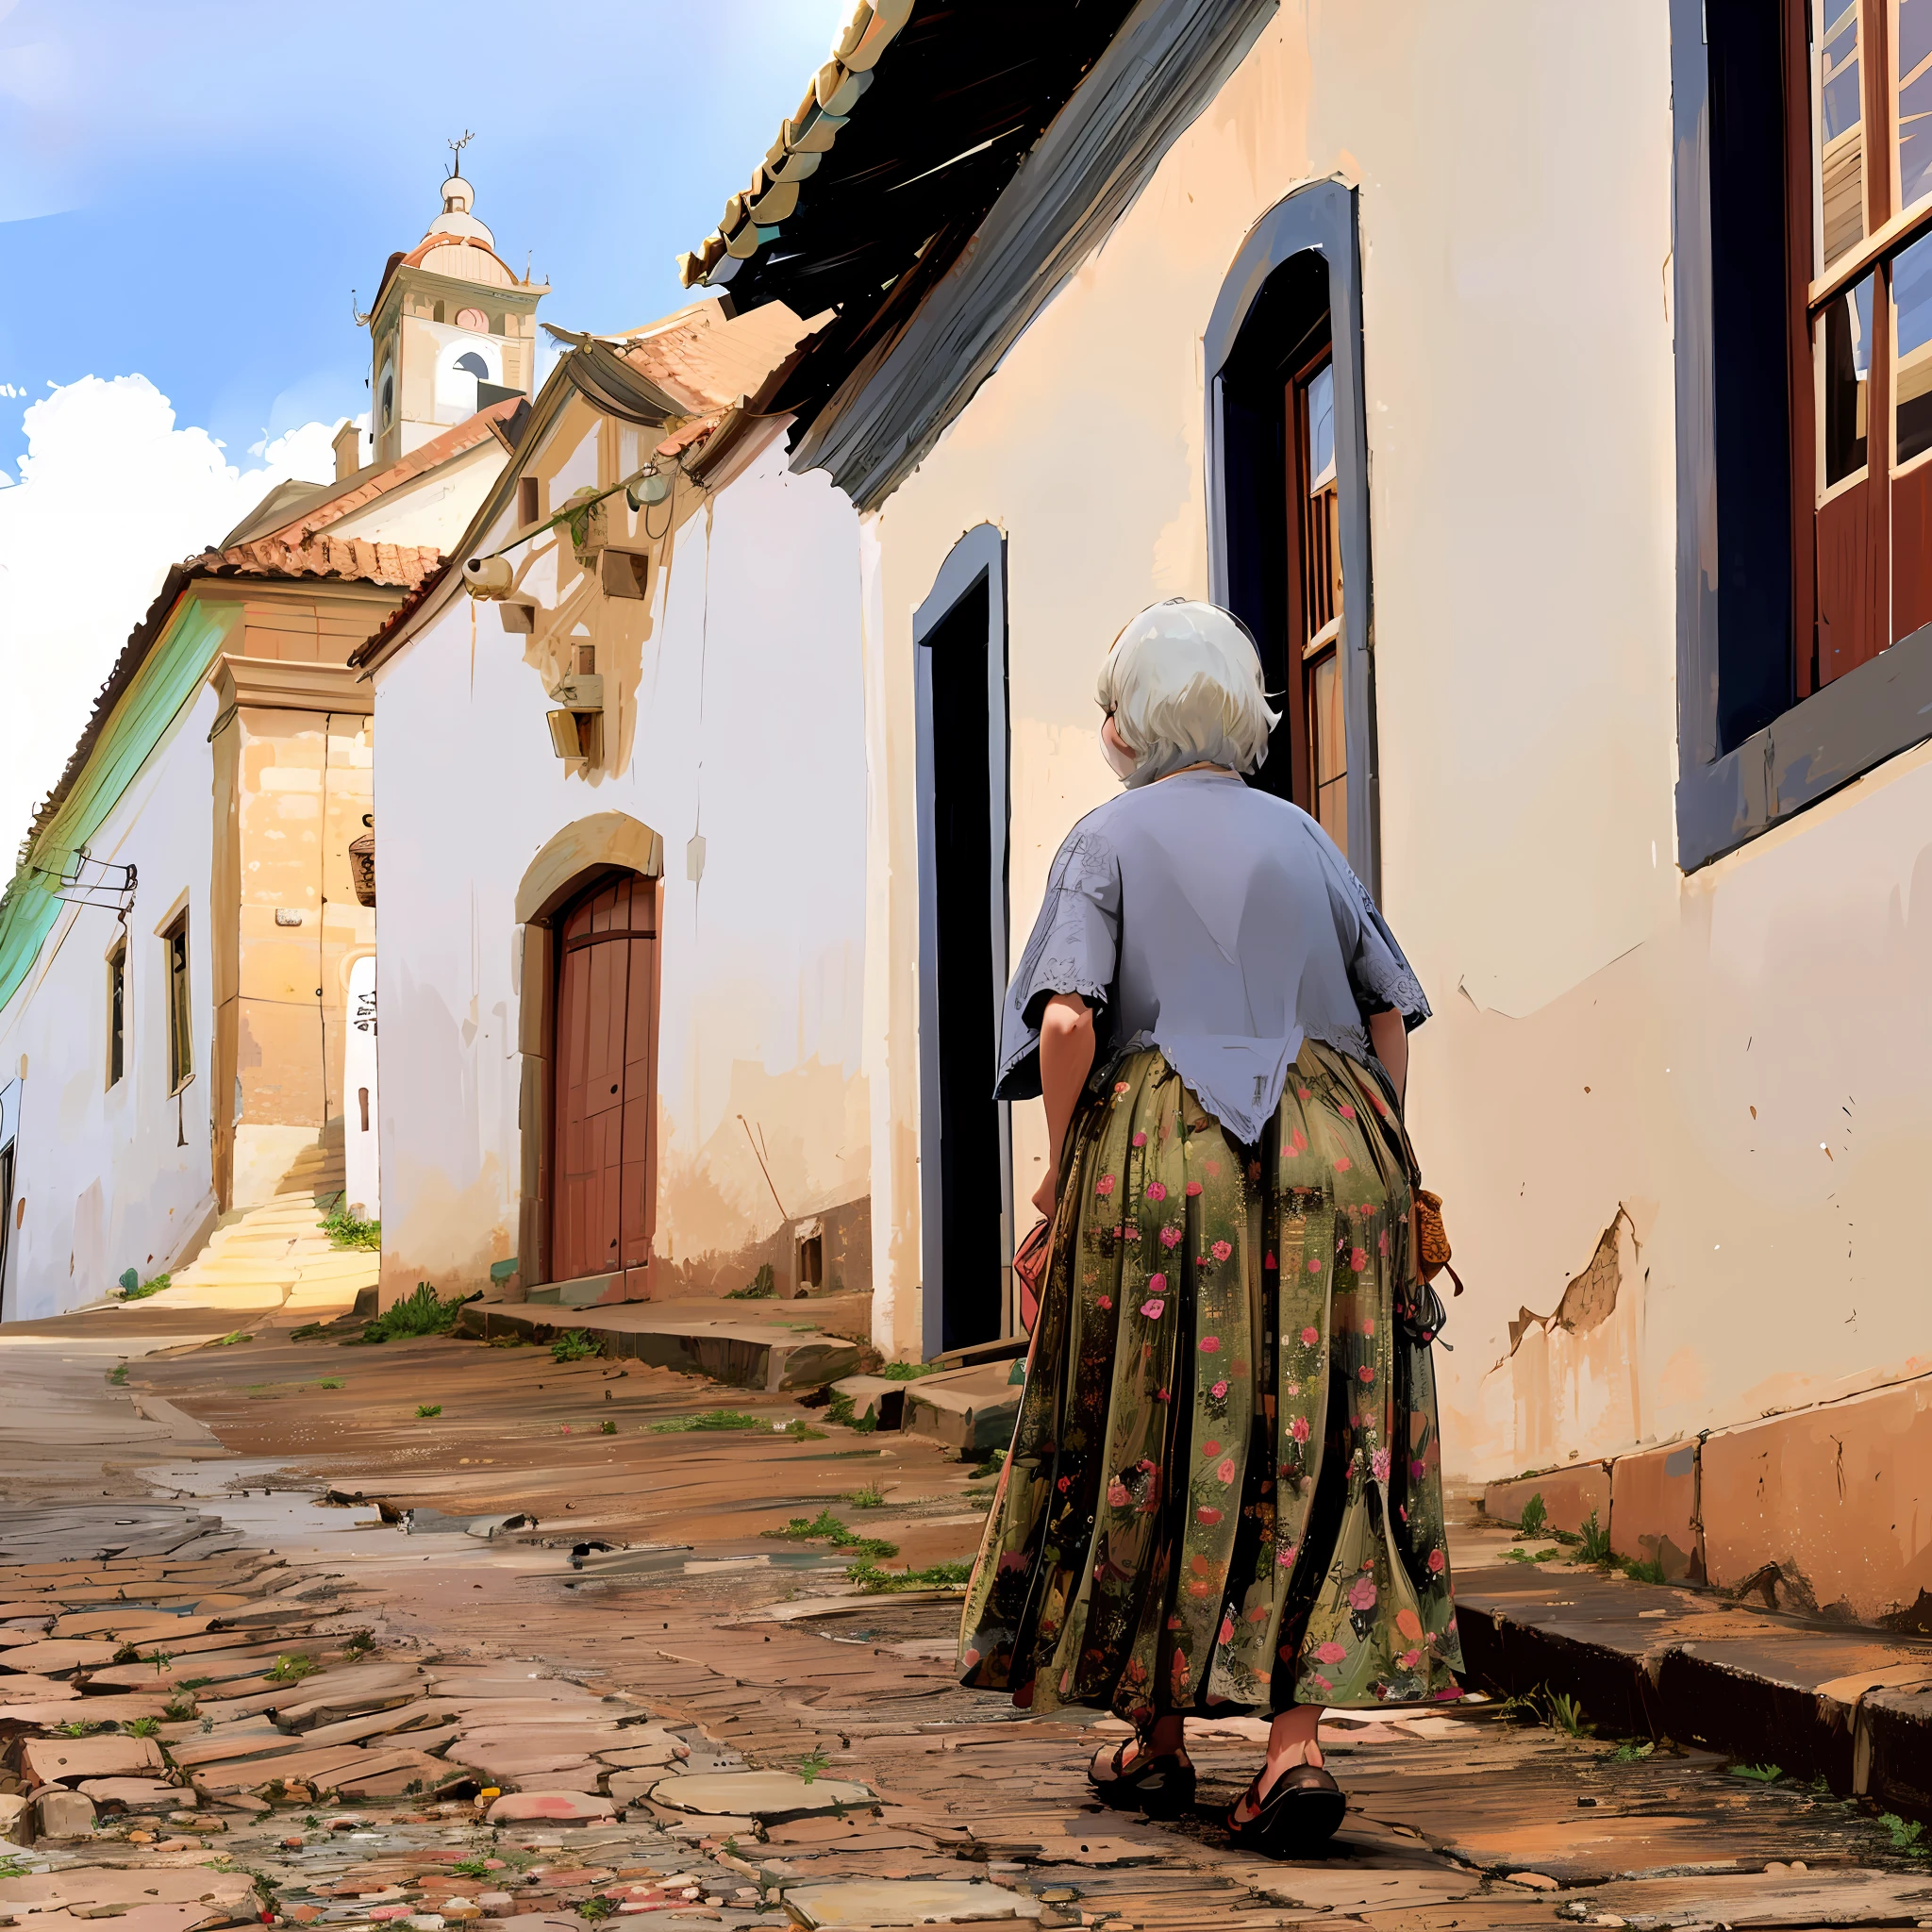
pixel 1572 1377
pixel 827 1252
pixel 786 1146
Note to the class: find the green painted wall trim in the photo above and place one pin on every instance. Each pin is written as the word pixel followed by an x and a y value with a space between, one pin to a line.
pixel 176 664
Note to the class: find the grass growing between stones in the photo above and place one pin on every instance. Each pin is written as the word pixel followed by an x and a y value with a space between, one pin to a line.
pixel 877 1582
pixel 1555 1708
pixel 1906 1839
pixel 423 1312
pixel 839 1408
pixel 346 1229
pixel 708 1418
pixel 575 1345
pixel 826 1527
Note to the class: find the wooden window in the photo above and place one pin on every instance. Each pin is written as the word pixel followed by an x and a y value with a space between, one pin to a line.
pixel 1315 503
pixel 528 501
pixel 180 1013
pixel 117 1014
pixel 1858 88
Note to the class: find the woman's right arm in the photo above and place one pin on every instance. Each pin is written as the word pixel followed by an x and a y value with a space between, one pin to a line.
pixel 1388 1036
pixel 1066 1057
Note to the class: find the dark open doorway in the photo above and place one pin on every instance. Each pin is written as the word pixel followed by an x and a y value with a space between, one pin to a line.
pixel 966 1186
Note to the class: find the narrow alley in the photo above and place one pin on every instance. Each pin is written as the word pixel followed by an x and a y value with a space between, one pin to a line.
pixel 438 1628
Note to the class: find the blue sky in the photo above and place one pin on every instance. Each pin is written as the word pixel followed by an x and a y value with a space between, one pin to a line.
pixel 189 189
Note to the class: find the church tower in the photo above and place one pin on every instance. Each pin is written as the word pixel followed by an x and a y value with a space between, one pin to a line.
pixel 452 330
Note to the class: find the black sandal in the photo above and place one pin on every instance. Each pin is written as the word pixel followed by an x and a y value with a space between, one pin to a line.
pixel 1161 1787
pixel 1301 1811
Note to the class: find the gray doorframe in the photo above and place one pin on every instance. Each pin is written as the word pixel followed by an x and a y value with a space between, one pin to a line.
pixel 1321 217
pixel 10 1133
pixel 981 553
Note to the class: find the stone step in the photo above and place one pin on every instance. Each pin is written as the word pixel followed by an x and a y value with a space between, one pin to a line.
pixel 970 1409
pixel 746 1355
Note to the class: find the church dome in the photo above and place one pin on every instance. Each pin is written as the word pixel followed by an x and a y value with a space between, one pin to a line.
pixel 458 246
pixel 459 198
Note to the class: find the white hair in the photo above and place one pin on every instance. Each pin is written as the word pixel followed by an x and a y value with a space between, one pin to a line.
pixel 1183 685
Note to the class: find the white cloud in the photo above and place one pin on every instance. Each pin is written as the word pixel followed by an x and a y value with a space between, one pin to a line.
pixel 110 493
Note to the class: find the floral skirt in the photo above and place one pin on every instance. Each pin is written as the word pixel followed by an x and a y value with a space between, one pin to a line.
pixel 1224 1488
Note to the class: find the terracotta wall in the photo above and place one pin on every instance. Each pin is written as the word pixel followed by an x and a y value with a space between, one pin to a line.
pixel 1826 1511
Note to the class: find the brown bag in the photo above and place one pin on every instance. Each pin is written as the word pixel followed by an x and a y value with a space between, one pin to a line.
pixel 1432 1239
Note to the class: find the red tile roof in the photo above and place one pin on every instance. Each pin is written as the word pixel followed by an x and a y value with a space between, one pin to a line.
pixel 361 490
pixel 401 566
pixel 372 645
pixel 395 566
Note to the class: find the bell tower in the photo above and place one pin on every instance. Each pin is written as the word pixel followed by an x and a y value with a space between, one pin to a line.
pixel 453 328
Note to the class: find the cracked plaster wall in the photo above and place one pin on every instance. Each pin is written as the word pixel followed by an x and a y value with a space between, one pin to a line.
pixel 1604 1026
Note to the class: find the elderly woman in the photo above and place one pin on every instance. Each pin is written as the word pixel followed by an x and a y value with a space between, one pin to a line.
pixel 1223 1492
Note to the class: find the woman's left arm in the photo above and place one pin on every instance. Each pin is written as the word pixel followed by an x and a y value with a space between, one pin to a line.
pixel 1388 1036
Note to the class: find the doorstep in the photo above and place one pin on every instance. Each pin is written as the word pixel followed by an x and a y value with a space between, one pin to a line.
pixel 746 1355
pixel 972 1409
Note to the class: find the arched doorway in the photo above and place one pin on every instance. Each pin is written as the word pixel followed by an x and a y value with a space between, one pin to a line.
pixel 588 909
pixel 605 1058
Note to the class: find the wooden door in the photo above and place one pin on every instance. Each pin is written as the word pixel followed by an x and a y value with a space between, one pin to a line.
pixel 606 1081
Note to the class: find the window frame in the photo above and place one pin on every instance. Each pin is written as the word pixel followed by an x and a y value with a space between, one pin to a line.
pixel 117 1013
pixel 177 993
pixel 1321 218
pixel 1832 733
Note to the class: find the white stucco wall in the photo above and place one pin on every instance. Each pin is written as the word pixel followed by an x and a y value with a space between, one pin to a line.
pixel 1603 1024
pixel 105 1184
pixel 430 511
pixel 734 709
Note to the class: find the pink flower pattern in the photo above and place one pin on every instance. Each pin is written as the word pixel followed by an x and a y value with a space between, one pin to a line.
pixel 1337 1214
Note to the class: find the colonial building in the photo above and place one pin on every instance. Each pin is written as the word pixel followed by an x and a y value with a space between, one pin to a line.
pixel 621 866
pixel 1548 400
pixel 183 948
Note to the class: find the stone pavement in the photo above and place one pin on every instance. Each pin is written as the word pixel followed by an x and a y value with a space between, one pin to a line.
pixel 379 1692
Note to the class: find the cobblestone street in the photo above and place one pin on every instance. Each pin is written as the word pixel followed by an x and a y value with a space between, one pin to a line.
pixel 443 1630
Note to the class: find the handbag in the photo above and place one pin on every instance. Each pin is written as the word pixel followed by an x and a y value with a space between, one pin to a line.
pixel 1432 1249
pixel 1422 1320
pixel 1029 1269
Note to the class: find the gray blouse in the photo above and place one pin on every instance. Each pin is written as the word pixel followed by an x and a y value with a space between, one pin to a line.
pixel 1218 924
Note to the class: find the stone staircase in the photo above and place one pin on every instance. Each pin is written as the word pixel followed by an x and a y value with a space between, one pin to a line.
pixel 276 1256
